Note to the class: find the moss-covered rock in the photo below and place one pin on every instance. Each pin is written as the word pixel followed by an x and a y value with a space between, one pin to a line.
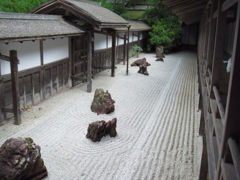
pixel 102 102
pixel 20 159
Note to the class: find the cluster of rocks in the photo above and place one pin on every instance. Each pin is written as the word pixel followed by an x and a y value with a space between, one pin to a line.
pixel 102 102
pixel 160 53
pixel 98 129
pixel 20 159
pixel 142 64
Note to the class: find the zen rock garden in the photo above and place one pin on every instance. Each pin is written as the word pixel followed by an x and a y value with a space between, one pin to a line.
pixel 98 129
pixel 102 102
pixel 20 159
pixel 142 64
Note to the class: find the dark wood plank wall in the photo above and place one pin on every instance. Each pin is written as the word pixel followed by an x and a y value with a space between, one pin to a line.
pixel 220 90
pixel 36 84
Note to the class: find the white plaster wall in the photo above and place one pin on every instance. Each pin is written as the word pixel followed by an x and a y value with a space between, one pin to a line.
pixel 28 54
pixel 100 41
pixel 54 50
pixel 135 38
pixel 109 41
pixel 130 37
pixel 121 41
pixel 141 36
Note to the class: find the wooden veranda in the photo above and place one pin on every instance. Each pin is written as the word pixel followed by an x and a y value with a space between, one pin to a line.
pixel 218 43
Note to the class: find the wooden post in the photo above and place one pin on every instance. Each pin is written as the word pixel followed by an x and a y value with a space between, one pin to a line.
pixel 1 100
pixel 42 94
pixel 113 53
pixel 128 49
pixel 89 67
pixel 70 50
pixel 231 122
pixel 218 47
pixel 124 49
pixel 211 37
pixel 15 86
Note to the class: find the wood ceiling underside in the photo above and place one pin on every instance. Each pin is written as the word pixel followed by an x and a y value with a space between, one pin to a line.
pixel 190 11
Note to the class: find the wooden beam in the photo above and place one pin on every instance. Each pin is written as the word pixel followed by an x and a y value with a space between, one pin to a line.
pixel 89 66
pixel 113 53
pixel 15 86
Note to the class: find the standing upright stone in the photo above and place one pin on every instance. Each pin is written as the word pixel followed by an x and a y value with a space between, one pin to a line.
pixel 160 53
pixel 102 102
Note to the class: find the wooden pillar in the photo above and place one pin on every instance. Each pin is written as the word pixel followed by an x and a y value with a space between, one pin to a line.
pixel 218 47
pixel 42 94
pixel 113 53
pixel 124 49
pixel 89 66
pixel 231 122
pixel 15 86
pixel 128 49
pixel 211 37
pixel 70 50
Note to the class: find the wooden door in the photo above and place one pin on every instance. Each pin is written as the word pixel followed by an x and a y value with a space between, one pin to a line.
pixel 79 59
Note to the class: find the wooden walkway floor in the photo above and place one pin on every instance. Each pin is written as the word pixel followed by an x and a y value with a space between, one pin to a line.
pixel 158 122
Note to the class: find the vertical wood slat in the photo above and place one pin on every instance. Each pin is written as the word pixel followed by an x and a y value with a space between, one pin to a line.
pixel 128 34
pixel 15 86
pixel 89 64
pixel 232 123
pixel 1 100
pixel 113 54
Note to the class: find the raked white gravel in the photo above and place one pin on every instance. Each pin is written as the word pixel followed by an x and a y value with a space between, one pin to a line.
pixel 158 123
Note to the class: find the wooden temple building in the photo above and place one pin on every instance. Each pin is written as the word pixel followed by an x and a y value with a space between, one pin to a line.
pixel 62 44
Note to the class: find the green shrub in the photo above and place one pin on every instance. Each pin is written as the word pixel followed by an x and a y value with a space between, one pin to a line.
pixel 166 28
pixel 136 50
pixel 166 32
pixel 20 6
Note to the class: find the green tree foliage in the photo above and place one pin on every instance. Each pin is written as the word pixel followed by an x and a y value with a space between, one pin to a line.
pixel 20 6
pixel 166 28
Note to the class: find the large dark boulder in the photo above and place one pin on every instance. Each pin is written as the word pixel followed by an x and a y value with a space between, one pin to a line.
pixel 20 159
pixel 102 102
pixel 140 62
pixel 98 129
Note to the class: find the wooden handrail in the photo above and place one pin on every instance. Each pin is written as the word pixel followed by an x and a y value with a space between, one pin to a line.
pixel 235 156
pixel 219 104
